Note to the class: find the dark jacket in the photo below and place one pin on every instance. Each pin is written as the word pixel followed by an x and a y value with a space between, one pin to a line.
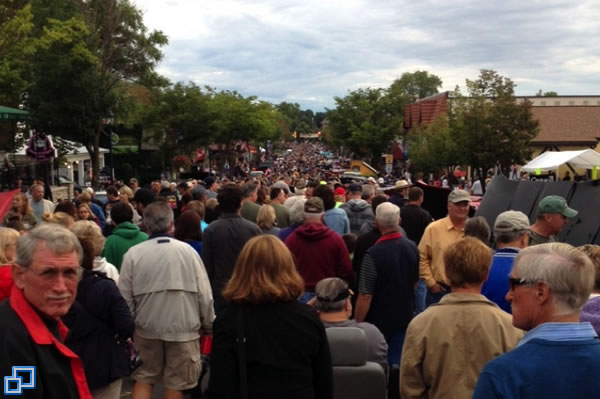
pixel 320 252
pixel 414 221
pixel 222 242
pixel 397 265
pixel 27 339
pixel 287 354
pixel 359 212
pixel 98 315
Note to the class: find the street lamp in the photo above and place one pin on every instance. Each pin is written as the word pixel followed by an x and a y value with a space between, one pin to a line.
pixel 108 123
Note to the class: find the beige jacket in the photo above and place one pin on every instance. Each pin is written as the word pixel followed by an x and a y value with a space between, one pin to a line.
pixel 447 346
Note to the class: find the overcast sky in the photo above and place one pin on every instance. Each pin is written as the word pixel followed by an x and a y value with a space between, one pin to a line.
pixel 309 51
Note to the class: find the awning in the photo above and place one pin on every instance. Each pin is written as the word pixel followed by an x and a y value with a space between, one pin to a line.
pixel 7 113
pixel 551 160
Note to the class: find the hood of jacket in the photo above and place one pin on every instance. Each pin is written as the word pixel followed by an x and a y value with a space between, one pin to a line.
pixel 127 230
pixel 313 231
pixel 358 205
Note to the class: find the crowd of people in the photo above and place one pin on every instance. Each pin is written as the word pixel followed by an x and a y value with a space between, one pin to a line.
pixel 259 268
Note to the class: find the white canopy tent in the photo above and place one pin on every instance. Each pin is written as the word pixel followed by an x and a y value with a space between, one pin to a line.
pixel 551 160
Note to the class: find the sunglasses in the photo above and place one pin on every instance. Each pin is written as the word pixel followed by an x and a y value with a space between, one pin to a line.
pixel 515 282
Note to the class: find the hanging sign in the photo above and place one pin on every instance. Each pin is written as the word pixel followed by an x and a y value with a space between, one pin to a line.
pixel 40 147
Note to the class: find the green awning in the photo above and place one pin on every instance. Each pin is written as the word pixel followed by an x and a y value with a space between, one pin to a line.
pixel 7 113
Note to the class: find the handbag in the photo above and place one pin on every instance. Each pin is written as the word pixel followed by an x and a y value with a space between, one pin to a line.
pixel 133 356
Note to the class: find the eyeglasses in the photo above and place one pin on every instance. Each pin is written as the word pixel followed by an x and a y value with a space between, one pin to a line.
pixel 515 282
pixel 51 273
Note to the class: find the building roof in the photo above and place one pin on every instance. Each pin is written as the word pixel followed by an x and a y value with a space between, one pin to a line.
pixel 567 125
pixel 425 110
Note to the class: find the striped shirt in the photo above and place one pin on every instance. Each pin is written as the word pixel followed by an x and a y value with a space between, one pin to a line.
pixel 560 332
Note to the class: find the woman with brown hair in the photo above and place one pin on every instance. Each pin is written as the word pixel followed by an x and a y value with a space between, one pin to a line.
pixel 276 345
pixel 85 213
pixel 19 207
pixel 187 229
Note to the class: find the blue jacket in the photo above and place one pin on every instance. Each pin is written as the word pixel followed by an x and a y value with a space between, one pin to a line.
pixel 337 220
pixel 496 286
pixel 542 369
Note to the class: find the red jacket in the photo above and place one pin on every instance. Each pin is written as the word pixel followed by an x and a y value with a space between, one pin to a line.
pixel 320 253
pixel 6 281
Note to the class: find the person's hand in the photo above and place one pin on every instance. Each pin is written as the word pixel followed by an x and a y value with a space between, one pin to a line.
pixel 436 288
pixel 312 301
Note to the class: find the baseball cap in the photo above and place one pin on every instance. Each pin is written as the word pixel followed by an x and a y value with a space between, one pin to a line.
pixel 340 191
pixel 314 205
pixel 556 204
pixel 380 180
pixel 459 196
pixel 510 221
pixel 371 180
pixel 355 188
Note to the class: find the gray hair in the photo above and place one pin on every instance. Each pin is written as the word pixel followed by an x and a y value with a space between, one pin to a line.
pixel 328 289
pixel 297 212
pixel 249 189
pixel 57 239
pixel 387 215
pixel 309 216
pixel 368 192
pixel 568 272
pixel 158 217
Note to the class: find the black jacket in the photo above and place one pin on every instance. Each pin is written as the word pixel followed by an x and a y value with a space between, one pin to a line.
pixel 98 314
pixel 287 353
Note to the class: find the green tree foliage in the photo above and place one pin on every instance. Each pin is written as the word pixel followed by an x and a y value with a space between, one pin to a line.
pixel 17 45
pixel 364 121
pixel 546 94
pixel 432 147
pixel 419 84
pixel 492 128
pixel 84 65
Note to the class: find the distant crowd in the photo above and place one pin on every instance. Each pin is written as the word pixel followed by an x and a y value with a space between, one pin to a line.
pixel 245 289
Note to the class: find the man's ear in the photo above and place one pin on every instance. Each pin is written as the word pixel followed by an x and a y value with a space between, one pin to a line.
pixel 542 293
pixel 18 275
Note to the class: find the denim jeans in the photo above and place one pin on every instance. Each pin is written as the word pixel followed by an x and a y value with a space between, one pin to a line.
pixel 395 340
pixel 420 296
pixel 432 298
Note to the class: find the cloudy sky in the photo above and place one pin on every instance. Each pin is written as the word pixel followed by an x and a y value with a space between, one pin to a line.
pixel 309 51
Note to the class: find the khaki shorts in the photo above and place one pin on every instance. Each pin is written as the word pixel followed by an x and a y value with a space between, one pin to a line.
pixel 176 364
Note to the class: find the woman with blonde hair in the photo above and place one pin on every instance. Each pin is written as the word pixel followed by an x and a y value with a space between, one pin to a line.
pixel 266 220
pixel 8 252
pixel 126 196
pixel 19 207
pixel 85 213
pixel 276 345
pixel 62 218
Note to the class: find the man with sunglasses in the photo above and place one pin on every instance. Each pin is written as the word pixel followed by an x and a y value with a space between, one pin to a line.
pixel 559 356
pixel 46 273
pixel 553 213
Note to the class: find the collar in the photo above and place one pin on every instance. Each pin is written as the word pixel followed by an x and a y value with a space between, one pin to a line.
pixel 42 336
pixel 158 235
pixel 463 297
pixel 510 250
pixel 388 236
pixel 560 332
pixel 448 224
pixel 230 215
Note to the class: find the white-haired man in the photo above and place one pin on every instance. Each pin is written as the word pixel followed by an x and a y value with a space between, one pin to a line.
pixel 388 274
pixel 559 357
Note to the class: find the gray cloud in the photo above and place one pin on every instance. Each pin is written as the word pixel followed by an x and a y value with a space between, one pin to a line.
pixel 310 51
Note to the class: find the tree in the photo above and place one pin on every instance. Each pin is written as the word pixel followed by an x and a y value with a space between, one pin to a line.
pixel 83 67
pixel 546 94
pixel 16 47
pixel 491 127
pixel 432 147
pixel 419 84
pixel 364 121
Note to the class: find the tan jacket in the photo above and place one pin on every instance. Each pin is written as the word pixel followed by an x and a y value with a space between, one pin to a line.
pixel 436 238
pixel 447 346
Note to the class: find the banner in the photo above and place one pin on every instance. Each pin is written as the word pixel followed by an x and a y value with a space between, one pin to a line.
pixel 5 200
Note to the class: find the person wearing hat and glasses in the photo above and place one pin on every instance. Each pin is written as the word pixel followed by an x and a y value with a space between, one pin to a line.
pixel 400 192
pixel 553 213
pixel 436 238
pixel 511 231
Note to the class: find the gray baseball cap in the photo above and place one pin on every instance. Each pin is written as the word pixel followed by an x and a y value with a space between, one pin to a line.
pixel 510 221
